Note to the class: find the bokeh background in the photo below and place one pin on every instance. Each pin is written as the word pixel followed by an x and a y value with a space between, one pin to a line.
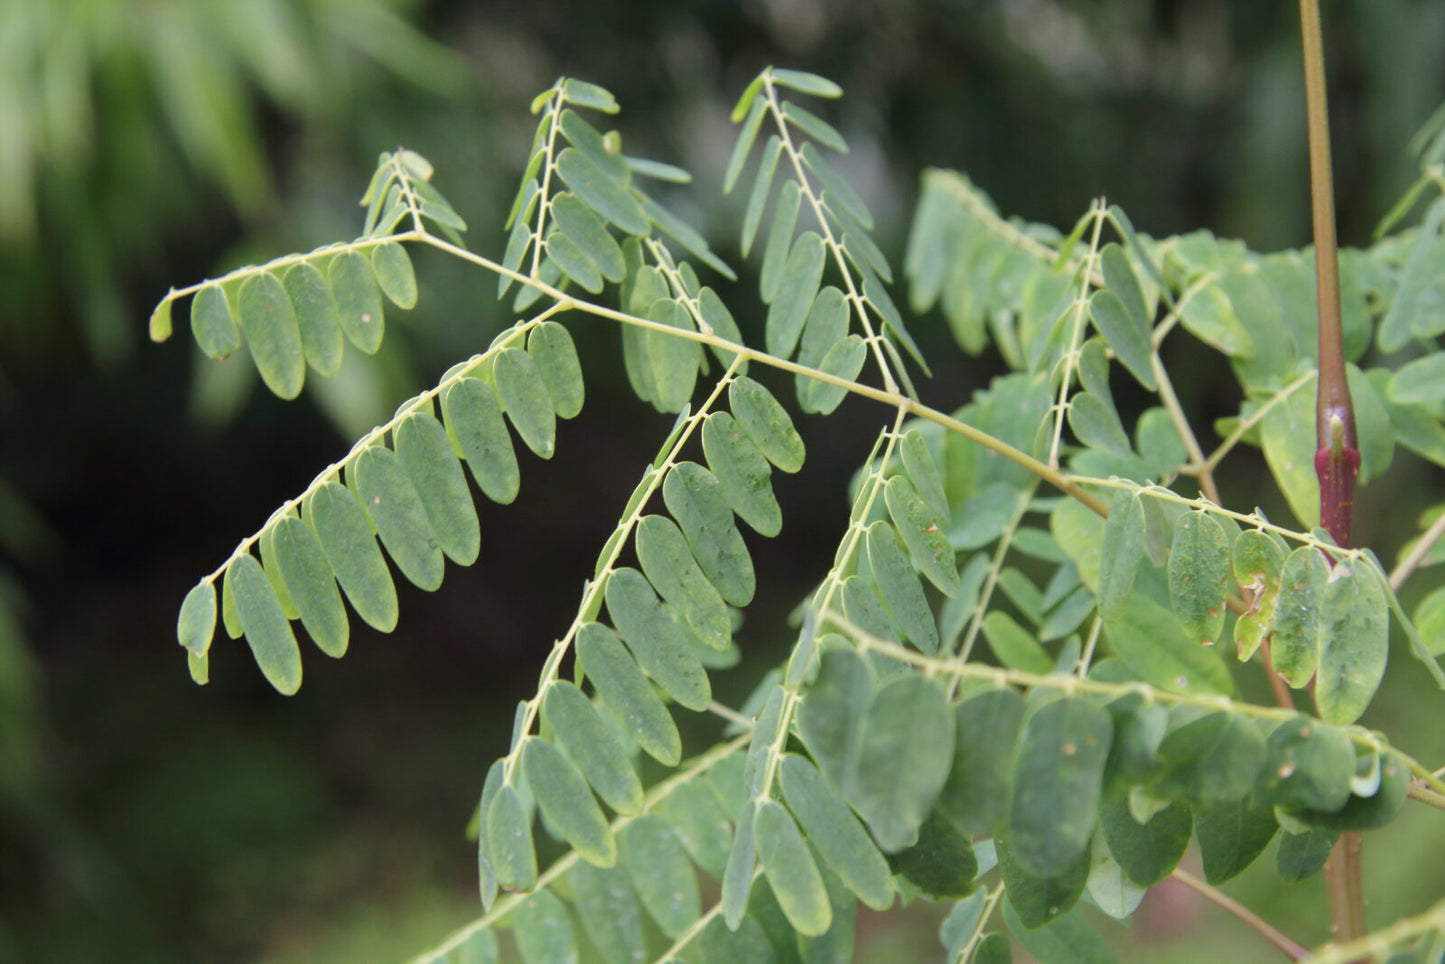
pixel 150 143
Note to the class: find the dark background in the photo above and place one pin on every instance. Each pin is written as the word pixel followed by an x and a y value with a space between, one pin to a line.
pixel 150 144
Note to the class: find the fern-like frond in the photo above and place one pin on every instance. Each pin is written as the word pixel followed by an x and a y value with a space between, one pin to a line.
pixel 411 494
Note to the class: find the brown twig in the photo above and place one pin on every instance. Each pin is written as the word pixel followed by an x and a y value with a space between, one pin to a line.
pixel 1253 921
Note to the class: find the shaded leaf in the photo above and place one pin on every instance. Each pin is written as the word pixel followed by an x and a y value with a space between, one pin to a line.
pixel 358 300
pixel 1355 643
pixel 196 623
pixel 265 625
pixel 1231 835
pixel 669 566
pixel 1199 560
pixel 694 497
pixel 627 693
pixel 396 511
pixel 1038 900
pixel 1297 615
pixel 975 795
pixel 309 580
pixel 790 869
pixel 590 743
pixel 1057 775
pixel 941 863
pixel 509 841
pixel 742 472
pixel 272 333
pixel 661 874
pixel 474 420
pixel 1303 855
pixel 426 454
pixel 555 356
pixel 903 752
pixel 655 639
pixel 352 553
pixel 828 719
pixel 1129 340
pixel 780 239
pixel 526 401
pixel 1209 759
pixel 604 194
pixel 815 127
pixel 610 912
pixel 1149 851
pixel 211 323
pixel 585 230
pixel 901 591
pixel 928 545
pixel 1123 548
pixel 567 802
pixel 1309 765
pixel 737 881
pixel 1066 940
pixel 394 273
pixel 835 832
pixel 1149 638
pixel 544 931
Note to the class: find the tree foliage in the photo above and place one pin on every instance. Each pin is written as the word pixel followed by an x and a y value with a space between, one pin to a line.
pixel 1019 685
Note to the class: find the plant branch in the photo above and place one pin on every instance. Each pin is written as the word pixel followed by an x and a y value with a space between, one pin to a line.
pixel 1253 921
pixel 1417 553
pixel 1379 943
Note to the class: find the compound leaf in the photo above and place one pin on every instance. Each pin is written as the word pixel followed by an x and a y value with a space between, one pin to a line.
pixel 836 832
pixel 316 315
pixel 394 273
pixel 742 472
pixel 312 586
pixel 669 566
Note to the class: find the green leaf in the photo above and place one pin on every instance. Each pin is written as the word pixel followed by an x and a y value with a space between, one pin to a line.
pixel 265 625
pixel 394 273
pixel 1119 278
pixel 583 94
pixel 272 333
pixel 211 323
pixel 555 355
pixel 836 832
pixel 312 586
pixel 1419 382
pixel 694 497
pixel 1097 425
pixel 196 624
pixel 1057 776
pixel 1302 855
pixel 657 170
pixel 1015 647
pixel 426 454
pixel 927 544
pixel 900 589
pixel 1208 759
pixel 526 401
pixel 780 239
pixel 1258 559
pixel 567 802
pixel 673 361
pixel 1429 621
pixel 606 195
pixel 1149 638
pixel 1038 900
pixel 1354 640
pixel 742 472
pixel 975 795
pixel 716 316
pixel 610 912
pixel 923 472
pixel 790 870
pixel 585 230
pixel 993 949
pixel 902 755
pixel 1231 835
pixel 829 716
pixel 589 742
pixel 942 862
pixel 661 874
pixel 1297 615
pixel 1148 852
pixel 836 186
pixel 762 188
pixel 669 566
pixel 1416 306
pixel 474 422
pixel 815 127
pixel 1110 888
pixel 1123 548
pixel 358 300
pixel 767 423
pixel 509 841
pixel 837 945
pixel 805 83
pixel 1309 765
pixel 704 830
pixel 396 511
pixel 766 709
pixel 844 360
pixel 797 287
pixel 737 880
pixel 1066 940
pixel 544 931
pixel 1367 812
pixel 1129 340
pixel 747 135
pixel 1210 317
pixel 721 945
pixel 1287 435
pixel 480 947
pixel 160 325
pixel 352 553
pixel 317 316
pixel 574 262
pixel 1199 562
pixel 627 693
pixel 656 640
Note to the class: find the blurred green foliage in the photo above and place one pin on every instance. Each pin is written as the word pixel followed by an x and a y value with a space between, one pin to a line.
pixel 142 820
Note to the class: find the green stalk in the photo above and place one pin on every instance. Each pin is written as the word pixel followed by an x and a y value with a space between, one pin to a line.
pixel 1337 453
